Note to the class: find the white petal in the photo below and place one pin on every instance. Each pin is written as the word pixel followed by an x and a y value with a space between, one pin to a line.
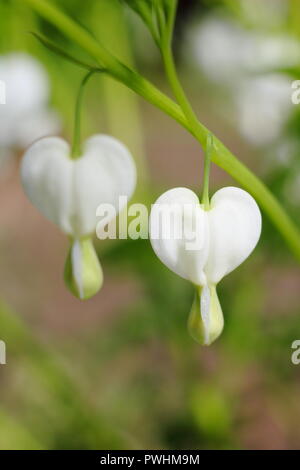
pixel 67 191
pixel 46 173
pixel 106 172
pixel 234 228
pixel 179 211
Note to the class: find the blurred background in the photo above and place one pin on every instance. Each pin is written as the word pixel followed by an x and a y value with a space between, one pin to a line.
pixel 120 371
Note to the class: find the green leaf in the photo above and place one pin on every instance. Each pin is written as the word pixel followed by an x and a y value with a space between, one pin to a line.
pixel 58 51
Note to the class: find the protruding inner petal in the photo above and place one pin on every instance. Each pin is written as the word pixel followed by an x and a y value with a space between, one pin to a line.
pixel 206 321
pixel 83 273
pixel 205 312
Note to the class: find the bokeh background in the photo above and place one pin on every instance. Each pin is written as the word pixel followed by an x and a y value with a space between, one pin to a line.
pixel 120 371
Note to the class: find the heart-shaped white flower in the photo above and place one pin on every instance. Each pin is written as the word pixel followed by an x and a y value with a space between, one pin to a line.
pixel 203 246
pixel 68 192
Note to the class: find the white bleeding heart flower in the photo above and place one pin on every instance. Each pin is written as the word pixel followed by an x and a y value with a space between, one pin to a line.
pixel 203 246
pixel 68 191
pixel 25 116
pixel 262 106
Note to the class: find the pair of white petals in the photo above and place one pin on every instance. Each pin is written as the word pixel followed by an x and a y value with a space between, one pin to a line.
pixel 230 232
pixel 68 191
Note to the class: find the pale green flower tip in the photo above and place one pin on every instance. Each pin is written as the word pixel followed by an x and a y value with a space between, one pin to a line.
pixel 83 273
pixel 206 322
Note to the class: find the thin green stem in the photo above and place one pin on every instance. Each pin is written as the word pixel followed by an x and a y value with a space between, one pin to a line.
pixel 220 154
pixel 177 88
pixel 171 22
pixel 160 17
pixel 207 157
pixel 76 146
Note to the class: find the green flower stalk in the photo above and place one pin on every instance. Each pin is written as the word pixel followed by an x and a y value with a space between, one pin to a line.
pixel 181 111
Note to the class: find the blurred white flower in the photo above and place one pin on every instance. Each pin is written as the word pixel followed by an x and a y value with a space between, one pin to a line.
pixel 263 105
pixel 221 48
pixel 25 116
pixel 273 52
pixel 226 52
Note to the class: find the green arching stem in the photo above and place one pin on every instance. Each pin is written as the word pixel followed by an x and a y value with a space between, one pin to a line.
pixel 207 157
pixel 76 146
pixel 220 154
pixel 105 59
